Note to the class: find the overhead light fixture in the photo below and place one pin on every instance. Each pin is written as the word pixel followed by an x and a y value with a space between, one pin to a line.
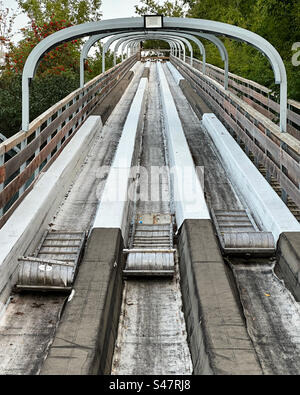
pixel 153 21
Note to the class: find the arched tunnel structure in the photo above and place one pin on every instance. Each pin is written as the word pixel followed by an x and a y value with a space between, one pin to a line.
pixel 149 221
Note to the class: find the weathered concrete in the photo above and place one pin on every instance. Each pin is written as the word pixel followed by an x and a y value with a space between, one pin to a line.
pixel 152 336
pixel 26 226
pixel 36 314
pixel 188 196
pixel 196 102
pixel 218 338
pixel 85 338
pixel 269 211
pixel 113 209
pixel 26 327
pixel 107 105
pixel 175 73
pixel 288 258
pixel 272 316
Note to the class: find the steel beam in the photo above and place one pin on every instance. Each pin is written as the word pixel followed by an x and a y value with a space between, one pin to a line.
pixel 114 26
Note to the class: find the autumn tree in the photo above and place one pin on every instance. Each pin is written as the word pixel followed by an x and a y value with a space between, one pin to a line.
pixel 168 8
pixel 58 72
pixel 7 18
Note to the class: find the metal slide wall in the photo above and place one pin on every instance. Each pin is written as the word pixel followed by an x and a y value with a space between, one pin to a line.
pixel 152 334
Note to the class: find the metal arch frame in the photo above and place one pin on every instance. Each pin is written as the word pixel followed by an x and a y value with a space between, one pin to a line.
pixel 220 46
pixel 176 46
pixel 223 53
pixel 133 45
pixel 135 42
pixel 179 34
pixel 171 41
pixel 176 41
pixel 85 50
pixel 137 24
pixel 173 44
pixel 118 36
pixel 153 35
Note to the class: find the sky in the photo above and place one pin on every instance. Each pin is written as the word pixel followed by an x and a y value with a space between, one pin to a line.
pixel 110 9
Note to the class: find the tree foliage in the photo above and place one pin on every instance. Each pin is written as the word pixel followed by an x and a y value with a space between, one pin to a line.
pixel 58 71
pixel 168 8
pixel 278 21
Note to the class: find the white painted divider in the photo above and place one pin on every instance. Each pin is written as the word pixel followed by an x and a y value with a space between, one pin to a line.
pixel 175 73
pixel 188 195
pixel 262 200
pixel 28 223
pixel 113 208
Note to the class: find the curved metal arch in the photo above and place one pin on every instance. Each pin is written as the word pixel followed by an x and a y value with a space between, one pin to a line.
pixel 124 41
pixel 85 50
pixel 135 42
pixel 178 45
pixel 223 53
pixel 137 24
pixel 117 36
pixel 158 35
pixel 179 34
pixel 216 41
pixel 173 44
pixel 219 44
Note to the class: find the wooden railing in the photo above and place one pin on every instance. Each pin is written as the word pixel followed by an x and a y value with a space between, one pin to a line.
pixel 278 152
pixel 47 136
pixel 258 96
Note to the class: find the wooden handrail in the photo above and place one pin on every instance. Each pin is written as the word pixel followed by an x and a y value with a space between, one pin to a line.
pixel 262 100
pixel 278 152
pixel 49 135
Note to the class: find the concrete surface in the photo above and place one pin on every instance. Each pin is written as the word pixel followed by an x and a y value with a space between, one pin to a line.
pixel 268 209
pixel 175 73
pixel 218 338
pixel 26 329
pixel 113 209
pixel 272 315
pixel 152 336
pixel 75 212
pixel 107 105
pixel 85 337
pixel 28 222
pixel 197 103
pixel 288 258
pixel 188 195
pixel 219 191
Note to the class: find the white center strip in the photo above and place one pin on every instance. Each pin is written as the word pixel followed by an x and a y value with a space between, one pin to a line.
pixel 112 212
pixel 188 194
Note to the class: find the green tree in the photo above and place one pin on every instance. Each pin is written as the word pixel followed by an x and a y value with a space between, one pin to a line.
pixel 169 8
pixel 58 72
pixel 277 21
pixel 73 11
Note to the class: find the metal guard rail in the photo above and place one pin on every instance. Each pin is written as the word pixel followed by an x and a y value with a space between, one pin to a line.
pixel 47 137
pixel 258 96
pixel 278 152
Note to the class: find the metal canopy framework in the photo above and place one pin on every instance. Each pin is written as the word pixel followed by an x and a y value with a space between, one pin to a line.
pixel 122 25
pixel 155 36
pixel 170 33
pixel 92 40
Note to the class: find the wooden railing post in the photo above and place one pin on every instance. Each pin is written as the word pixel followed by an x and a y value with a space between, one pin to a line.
pixel 22 168
pixel 2 156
